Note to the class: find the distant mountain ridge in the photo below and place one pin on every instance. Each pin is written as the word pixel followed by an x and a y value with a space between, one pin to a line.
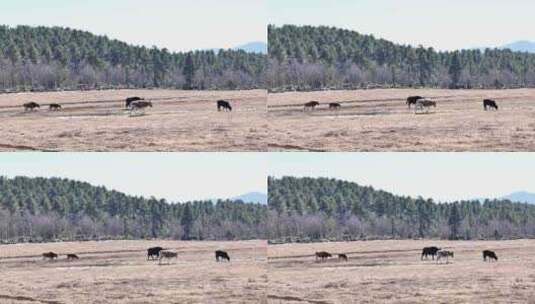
pixel 258 47
pixel 253 197
pixel 520 46
pixel 517 46
pixel 515 197
pixel 521 197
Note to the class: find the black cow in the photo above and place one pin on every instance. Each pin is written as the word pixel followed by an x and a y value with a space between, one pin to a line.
pixel 50 255
pixel 224 105
pixel 334 106
pixel 54 107
pixel 432 251
pixel 31 106
pixel 323 255
pixel 311 105
pixel 489 103
pixel 129 100
pixel 412 100
pixel 223 255
pixel 489 254
pixel 153 252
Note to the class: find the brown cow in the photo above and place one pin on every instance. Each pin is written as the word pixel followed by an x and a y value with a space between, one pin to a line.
pixel 334 106
pixel 72 256
pixel 50 255
pixel 322 255
pixel 342 257
pixel 311 105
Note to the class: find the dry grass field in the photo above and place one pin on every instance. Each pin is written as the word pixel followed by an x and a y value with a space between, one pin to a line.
pixel 97 121
pixel 379 120
pixel 392 272
pixel 118 272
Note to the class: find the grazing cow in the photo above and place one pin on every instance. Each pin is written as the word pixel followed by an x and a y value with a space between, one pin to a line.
pixel 489 103
pixel 323 255
pixel 223 255
pixel 444 254
pixel 167 255
pixel 49 255
pixel 31 106
pixel 140 105
pixel 334 106
pixel 412 100
pixel 224 105
pixel 153 252
pixel 432 251
pixel 311 105
pixel 489 254
pixel 54 107
pixel 342 257
pixel 72 256
pixel 422 104
pixel 130 100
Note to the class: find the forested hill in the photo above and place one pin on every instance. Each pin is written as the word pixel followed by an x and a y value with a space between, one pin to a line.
pixel 308 58
pixel 321 208
pixel 52 208
pixel 46 58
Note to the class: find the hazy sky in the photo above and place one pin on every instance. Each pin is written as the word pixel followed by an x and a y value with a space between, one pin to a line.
pixel 173 176
pixel 174 24
pixel 444 25
pixel 441 176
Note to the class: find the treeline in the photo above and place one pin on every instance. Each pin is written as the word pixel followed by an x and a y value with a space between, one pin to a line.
pixel 312 58
pixel 48 209
pixel 50 58
pixel 320 208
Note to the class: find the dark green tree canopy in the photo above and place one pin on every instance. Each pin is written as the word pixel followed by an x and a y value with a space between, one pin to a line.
pixel 317 57
pixel 45 58
pixel 48 208
pixel 360 211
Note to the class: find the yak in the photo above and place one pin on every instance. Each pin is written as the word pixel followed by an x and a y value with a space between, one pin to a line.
pixel 31 106
pixel 54 107
pixel 412 100
pixel 224 105
pixel 334 106
pixel 311 105
pixel 489 103
pixel 322 255
pixel 432 251
pixel 72 256
pixel 153 252
pixel 50 255
pixel 223 255
pixel 489 254
pixel 130 100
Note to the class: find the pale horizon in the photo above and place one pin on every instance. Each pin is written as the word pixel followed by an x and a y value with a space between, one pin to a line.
pixel 176 177
pixel 444 177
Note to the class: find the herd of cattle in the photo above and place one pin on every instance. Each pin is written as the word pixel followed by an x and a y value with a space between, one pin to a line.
pixel 420 104
pixel 433 251
pixel 132 103
pixel 153 253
